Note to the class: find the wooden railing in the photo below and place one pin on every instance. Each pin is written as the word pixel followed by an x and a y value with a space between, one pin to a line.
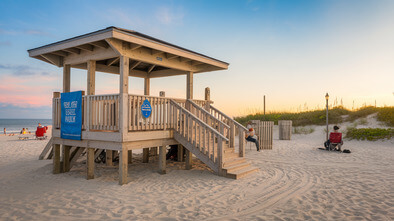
pixel 209 119
pixel 234 125
pixel 159 116
pixel 102 113
pixel 159 119
pixel 197 136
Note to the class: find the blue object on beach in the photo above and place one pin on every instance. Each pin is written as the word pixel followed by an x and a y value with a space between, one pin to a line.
pixel 146 108
pixel 71 115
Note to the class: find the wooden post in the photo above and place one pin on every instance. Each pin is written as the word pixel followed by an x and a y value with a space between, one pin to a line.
pixel 123 166
pixel 180 153
pixel 66 78
pixel 145 151
pixel 91 80
pixel 108 157
pixel 90 163
pixel 162 160
pixel 189 95
pixel 241 142
pixel 66 158
pixel 207 98
pixel 130 157
pixel 56 158
pixel 123 115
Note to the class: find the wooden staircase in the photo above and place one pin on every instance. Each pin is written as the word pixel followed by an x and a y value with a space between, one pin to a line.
pixel 204 135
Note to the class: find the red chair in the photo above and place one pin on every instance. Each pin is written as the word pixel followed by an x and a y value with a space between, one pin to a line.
pixel 40 133
pixel 335 140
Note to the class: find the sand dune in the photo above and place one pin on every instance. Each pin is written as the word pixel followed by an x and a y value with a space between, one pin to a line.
pixel 295 182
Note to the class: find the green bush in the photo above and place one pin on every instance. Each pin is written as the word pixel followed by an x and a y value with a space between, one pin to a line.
pixel 362 112
pixel 369 133
pixel 386 115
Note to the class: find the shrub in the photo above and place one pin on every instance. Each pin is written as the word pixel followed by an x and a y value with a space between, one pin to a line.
pixel 362 112
pixel 386 115
pixel 369 133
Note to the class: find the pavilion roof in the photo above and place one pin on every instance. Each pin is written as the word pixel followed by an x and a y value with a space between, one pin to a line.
pixel 150 57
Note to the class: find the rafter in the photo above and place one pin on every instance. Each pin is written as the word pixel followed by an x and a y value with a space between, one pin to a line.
pixel 53 59
pixel 60 53
pixel 134 46
pixel 72 50
pixel 171 56
pixel 181 59
pixel 112 61
pixel 100 44
pixel 86 47
pixel 151 68
pixel 156 52
pixel 135 65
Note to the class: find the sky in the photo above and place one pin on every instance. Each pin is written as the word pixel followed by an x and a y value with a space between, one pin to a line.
pixel 293 52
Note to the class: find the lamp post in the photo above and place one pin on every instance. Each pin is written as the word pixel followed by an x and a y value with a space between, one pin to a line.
pixel 327 96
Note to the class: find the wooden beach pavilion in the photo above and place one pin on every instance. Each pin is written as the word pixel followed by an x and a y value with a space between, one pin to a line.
pixel 113 123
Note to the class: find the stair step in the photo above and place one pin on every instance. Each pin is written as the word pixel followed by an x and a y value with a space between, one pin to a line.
pixel 228 150
pixel 236 167
pixel 233 161
pixel 242 173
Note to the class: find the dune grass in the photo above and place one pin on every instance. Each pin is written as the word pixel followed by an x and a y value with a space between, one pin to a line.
pixel 369 133
pixel 318 117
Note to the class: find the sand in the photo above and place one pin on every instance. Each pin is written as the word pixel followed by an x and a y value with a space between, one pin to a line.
pixel 295 182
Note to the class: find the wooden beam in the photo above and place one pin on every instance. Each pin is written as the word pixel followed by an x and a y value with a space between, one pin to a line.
pixel 66 158
pixel 162 160
pixel 112 61
pixel 144 55
pixel 66 78
pixel 53 59
pixel 56 159
pixel 134 46
pixel 91 80
pixel 86 47
pixel 112 70
pixel 166 73
pixel 123 166
pixel 123 97
pixel 108 157
pixel 100 44
pixel 60 53
pixel 171 56
pixel 181 59
pixel 151 68
pixel 72 50
pixel 135 65
pixel 118 34
pixel 156 52
pixel 189 85
pixel 90 163
pixel 97 55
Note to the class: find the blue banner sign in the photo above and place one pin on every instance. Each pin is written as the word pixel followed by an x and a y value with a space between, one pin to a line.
pixel 71 115
pixel 146 108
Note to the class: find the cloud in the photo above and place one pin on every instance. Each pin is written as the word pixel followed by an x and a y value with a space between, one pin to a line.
pixel 25 70
pixel 26 32
pixel 170 15
pixel 13 111
pixel 5 43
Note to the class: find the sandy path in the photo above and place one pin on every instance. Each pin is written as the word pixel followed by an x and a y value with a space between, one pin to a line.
pixel 295 182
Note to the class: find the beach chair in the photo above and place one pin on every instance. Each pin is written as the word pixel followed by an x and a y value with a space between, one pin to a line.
pixel 40 133
pixel 23 137
pixel 335 141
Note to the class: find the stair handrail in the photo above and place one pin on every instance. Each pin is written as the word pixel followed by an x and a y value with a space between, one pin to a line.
pixel 229 118
pixel 197 119
pixel 208 114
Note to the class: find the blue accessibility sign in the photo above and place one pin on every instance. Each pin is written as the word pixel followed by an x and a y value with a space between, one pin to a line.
pixel 146 108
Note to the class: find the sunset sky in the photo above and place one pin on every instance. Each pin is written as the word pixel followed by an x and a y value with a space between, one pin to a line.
pixel 291 51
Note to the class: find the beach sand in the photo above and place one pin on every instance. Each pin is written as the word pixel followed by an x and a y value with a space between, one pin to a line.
pixel 295 182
